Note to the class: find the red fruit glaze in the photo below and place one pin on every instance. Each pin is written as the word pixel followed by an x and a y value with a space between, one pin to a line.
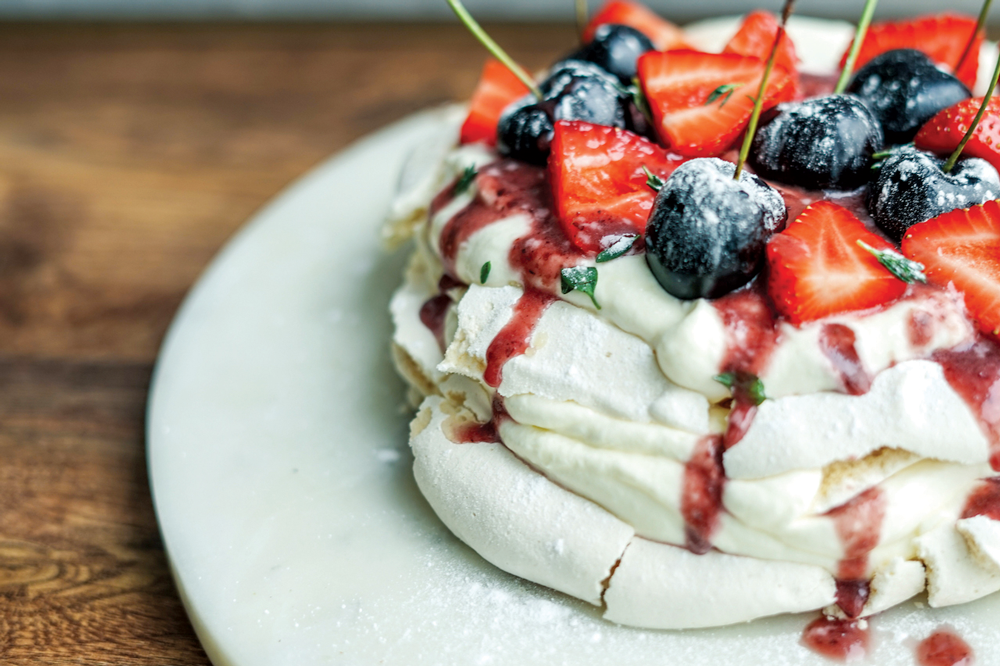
pixel 497 88
pixel 974 373
pixel 943 37
pixel 432 315
pixel 943 648
pixel 836 639
pixel 756 38
pixel 678 84
pixel 984 500
pixel 701 499
pixel 663 34
pixel 859 525
pixel 751 330
pixel 837 343
pixel 942 133
pixel 817 269
pixel 513 338
pixel 598 182
pixel 962 248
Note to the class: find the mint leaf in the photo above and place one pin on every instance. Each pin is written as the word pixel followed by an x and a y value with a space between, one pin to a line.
pixel 727 379
pixel 582 279
pixel 617 249
pixel 484 272
pixel 654 182
pixel 725 89
pixel 907 270
pixel 756 391
pixel 466 179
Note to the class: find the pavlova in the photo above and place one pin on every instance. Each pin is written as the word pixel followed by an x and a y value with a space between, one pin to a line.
pixel 695 387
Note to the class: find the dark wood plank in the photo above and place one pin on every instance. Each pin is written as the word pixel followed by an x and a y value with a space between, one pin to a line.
pixel 128 155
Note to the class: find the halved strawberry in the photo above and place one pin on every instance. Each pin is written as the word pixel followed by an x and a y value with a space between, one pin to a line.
pixel 963 248
pixel 598 184
pixel 497 88
pixel 942 133
pixel 817 268
pixel 664 34
pixel 943 37
pixel 702 101
pixel 756 38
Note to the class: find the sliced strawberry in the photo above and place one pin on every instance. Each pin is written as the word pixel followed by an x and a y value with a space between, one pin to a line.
pixel 943 37
pixel 598 184
pixel 497 88
pixel 817 268
pixel 680 84
pixel 963 248
pixel 756 38
pixel 942 133
pixel 664 34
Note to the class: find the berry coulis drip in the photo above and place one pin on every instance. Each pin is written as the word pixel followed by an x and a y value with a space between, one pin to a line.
pixel 943 648
pixel 434 311
pixel 513 338
pixel 751 329
pixel 836 639
pixel 984 500
pixel 859 525
pixel 701 501
pixel 974 373
pixel 837 343
pixel 489 432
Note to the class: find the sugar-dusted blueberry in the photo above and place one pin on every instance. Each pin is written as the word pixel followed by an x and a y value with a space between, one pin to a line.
pixel 615 49
pixel 909 187
pixel 823 143
pixel 574 90
pixel 706 233
pixel 904 89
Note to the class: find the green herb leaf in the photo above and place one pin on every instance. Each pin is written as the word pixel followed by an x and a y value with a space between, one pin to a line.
pixel 582 279
pixel 618 248
pixel 905 269
pixel 639 99
pixel 466 179
pixel 484 272
pixel 654 182
pixel 725 89
pixel 743 383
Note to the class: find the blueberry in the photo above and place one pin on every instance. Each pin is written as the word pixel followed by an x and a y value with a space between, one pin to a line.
pixel 823 143
pixel 909 187
pixel 904 89
pixel 615 49
pixel 706 233
pixel 574 90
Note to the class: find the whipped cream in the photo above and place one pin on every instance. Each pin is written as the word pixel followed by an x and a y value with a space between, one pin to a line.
pixel 612 421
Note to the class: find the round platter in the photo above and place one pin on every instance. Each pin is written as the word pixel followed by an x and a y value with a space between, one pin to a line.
pixel 283 486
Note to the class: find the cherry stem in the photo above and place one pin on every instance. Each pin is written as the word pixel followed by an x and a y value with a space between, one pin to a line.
pixel 581 17
pixel 950 164
pixel 758 104
pixel 980 25
pixel 859 37
pixel 477 30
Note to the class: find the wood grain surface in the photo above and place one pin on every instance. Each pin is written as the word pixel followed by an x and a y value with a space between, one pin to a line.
pixel 128 155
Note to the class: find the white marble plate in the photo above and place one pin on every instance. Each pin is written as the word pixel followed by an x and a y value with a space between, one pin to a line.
pixel 282 482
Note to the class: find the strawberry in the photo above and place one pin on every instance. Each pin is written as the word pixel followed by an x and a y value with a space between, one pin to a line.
pixel 598 183
pixel 817 268
pixel 943 37
pixel 756 38
pixel 497 88
pixel 664 35
pixel 942 133
pixel 963 248
pixel 702 101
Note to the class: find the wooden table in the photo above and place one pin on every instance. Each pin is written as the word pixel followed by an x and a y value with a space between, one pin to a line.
pixel 128 155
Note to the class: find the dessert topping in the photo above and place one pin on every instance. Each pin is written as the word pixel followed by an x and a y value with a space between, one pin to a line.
pixel 944 648
pixel 615 49
pixel 664 35
pixel 497 88
pixel 944 131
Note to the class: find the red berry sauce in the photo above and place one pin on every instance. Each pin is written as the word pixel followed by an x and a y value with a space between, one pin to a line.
pixel 836 639
pixel 974 373
pixel 943 648
pixel 984 500
pixel 859 525
pixel 837 343
pixel 751 329
pixel 433 314
pixel 512 340
pixel 701 501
